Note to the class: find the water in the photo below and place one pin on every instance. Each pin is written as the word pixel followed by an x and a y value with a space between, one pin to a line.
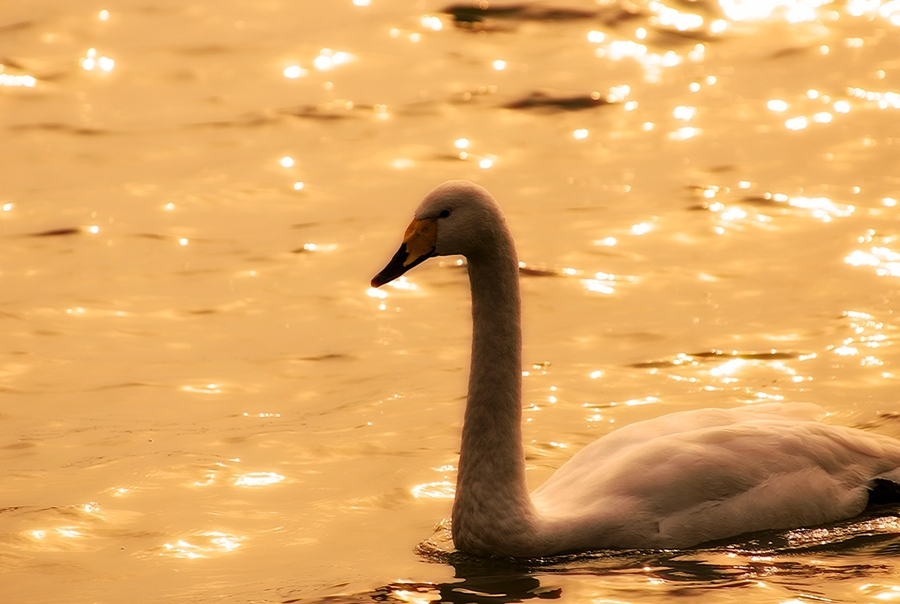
pixel 202 401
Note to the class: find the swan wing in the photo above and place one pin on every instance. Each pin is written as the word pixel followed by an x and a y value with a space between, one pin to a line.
pixel 591 458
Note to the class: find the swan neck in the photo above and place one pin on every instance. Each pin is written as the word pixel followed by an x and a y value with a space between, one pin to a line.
pixel 491 486
pixel 495 379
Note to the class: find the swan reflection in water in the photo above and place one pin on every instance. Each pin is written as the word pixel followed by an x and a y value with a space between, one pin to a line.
pixel 794 562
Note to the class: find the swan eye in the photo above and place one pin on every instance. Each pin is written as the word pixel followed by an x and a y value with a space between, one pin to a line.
pixel 444 214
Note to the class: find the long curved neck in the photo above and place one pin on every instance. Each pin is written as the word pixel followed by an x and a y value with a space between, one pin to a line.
pixel 492 511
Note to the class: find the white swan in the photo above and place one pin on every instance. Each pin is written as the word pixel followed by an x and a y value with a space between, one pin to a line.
pixel 671 482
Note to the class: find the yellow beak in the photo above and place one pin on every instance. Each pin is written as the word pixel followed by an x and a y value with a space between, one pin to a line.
pixel 417 247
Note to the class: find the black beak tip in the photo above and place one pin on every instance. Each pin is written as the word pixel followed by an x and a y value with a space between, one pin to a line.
pixel 398 266
pixel 394 268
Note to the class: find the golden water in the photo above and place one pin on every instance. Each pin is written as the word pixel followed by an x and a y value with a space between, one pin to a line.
pixel 202 401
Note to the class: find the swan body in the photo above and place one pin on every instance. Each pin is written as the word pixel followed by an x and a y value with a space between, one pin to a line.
pixel 670 482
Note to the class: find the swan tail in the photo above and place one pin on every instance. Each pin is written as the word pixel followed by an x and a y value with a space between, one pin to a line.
pixel 885 488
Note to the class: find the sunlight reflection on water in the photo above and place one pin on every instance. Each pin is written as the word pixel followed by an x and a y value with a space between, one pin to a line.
pixel 257 479
pixel 202 545
pixel 195 197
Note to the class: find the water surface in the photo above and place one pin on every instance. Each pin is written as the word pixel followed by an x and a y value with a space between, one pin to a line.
pixel 202 400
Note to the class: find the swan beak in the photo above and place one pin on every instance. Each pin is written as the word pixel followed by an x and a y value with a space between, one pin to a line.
pixel 417 247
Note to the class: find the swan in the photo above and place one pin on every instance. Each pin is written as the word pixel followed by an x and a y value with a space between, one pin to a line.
pixel 672 482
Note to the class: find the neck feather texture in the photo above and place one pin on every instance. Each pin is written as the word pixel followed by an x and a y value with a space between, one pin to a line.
pixel 492 513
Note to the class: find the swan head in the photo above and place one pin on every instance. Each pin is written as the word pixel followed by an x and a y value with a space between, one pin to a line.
pixel 456 217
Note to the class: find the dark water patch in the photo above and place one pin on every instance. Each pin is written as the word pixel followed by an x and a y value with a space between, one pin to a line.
pixel 761 200
pixel 766 200
pixel 447 157
pixel 885 419
pixel 476 15
pixel 327 357
pixel 790 51
pixel 58 127
pixel 717 355
pixel 185 75
pixel 9 62
pixel 722 168
pixel 531 270
pixel 484 16
pixel 63 232
pixel 653 364
pixel 55 76
pixel 18 446
pixel 520 12
pixel 339 109
pixel 675 36
pixel 247 120
pixel 551 104
pixel 9 28
pixel 47 332
pixel 262 259
pixel 749 356
pixel 433 107
pixel 315 114
pixel 14 508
